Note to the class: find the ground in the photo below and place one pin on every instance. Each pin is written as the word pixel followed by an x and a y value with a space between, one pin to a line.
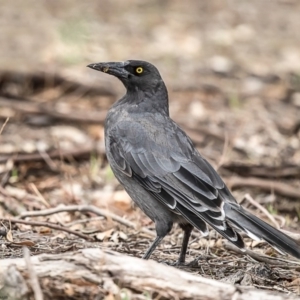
pixel 233 74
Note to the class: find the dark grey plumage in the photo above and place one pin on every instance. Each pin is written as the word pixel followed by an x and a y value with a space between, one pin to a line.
pixel 162 171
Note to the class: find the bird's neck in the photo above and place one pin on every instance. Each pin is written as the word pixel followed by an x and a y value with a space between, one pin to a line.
pixel 154 99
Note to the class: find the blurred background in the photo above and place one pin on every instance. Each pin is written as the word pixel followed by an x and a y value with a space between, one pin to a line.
pixel 233 73
pixel 260 37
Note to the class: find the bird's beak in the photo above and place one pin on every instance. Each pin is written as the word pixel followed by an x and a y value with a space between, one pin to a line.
pixel 113 68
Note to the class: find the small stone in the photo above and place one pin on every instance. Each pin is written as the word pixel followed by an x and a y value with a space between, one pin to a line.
pixel 220 64
pixel 197 110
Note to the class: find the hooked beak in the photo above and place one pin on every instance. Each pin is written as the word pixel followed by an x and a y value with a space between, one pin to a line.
pixel 113 68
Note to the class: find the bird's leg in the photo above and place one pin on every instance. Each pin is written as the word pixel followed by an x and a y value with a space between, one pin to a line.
pixel 187 229
pixel 155 243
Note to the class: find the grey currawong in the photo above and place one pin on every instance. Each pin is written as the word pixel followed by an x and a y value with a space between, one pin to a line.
pixel 162 171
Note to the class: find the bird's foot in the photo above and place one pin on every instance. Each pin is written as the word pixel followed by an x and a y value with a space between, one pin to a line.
pixel 182 264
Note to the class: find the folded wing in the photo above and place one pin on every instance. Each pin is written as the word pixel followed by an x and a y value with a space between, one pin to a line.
pixel 174 174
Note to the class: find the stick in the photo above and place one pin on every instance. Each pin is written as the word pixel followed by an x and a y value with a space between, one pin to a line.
pixel 85 208
pixel 49 225
pixel 28 107
pixel 34 282
pixel 281 171
pixel 52 154
pixel 264 184
pixel 262 258
pixel 262 209
pixel 4 124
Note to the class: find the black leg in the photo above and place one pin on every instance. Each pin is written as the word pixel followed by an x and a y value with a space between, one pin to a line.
pixel 187 228
pixel 156 242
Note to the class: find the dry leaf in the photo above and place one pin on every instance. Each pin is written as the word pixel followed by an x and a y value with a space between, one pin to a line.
pixel 69 290
pixel 121 200
pixel 101 236
pixel 115 237
pixel 219 243
pixel 9 236
pixel 294 285
pixel 123 236
pixel 110 296
pixel 295 282
pixel 118 235
pixel 254 244
pixel 27 243
pixel 61 235
pixel 45 230
pixel 96 132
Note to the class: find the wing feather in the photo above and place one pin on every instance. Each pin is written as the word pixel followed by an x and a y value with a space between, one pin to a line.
pixel 176 175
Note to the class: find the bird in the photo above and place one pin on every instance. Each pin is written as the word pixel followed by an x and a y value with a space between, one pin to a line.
pixel 164 174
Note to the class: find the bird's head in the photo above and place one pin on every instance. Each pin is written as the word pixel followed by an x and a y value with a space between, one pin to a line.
pixel 134 74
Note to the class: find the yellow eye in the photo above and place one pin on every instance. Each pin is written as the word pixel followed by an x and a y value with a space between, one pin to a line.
pixel 139 70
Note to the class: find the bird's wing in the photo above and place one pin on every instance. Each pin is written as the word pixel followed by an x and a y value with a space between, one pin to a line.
pixel 164 161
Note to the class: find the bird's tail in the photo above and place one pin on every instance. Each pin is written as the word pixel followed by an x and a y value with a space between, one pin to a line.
pixel 257 229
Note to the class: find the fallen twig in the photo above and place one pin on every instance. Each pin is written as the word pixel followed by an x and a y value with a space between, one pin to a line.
pixel 52 154
pixel 17 198
pixel 262 258
pixel 264 184
pixel 6 172
pixel 49 225
pixel 4 124
pixel 39 195
pixel 31 107
pixel 262 209
pixel 85 208
pixel 281 171
pixel 37 81
pixel 84 221
pixel 34 282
